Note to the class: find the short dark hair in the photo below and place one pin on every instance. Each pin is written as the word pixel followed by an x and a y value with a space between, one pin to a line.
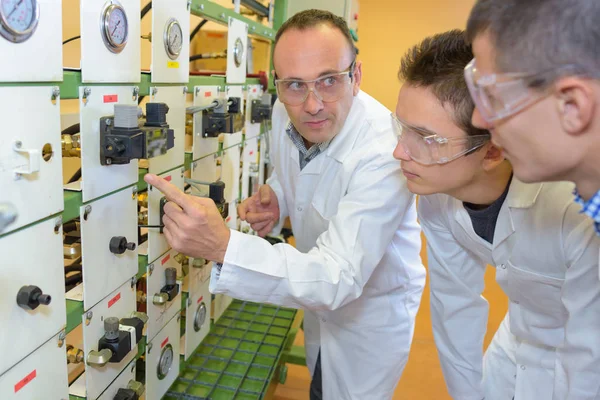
pixel 438 63
pixel 532 36
pixel 312 18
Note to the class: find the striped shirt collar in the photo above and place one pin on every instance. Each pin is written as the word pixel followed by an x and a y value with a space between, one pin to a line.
pixel 591 208
pixel 306 155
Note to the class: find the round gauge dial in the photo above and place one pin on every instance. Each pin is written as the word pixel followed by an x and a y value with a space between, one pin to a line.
pixel 173 38
pixel 165 362
pixel 18 19
pixel 115 26
pixel 238 52
pixel 200 317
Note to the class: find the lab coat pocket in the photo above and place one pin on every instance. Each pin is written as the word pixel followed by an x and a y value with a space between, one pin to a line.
pixel 537 294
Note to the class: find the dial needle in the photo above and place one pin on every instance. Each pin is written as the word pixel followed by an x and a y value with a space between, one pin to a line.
pixel 116 26
pixel 14 9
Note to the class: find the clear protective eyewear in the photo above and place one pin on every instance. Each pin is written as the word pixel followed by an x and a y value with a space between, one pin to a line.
pixel 428 148
pixel 328 88
pixel 499 96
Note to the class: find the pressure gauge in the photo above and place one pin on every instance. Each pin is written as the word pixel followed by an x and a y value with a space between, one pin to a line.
pixel 18 19
pixel 114 26
pixel 238 52
pixel 200 317
pixel 165 362
pixel 173 38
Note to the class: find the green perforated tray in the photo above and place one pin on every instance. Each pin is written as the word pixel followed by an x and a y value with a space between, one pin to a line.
pixel 239 357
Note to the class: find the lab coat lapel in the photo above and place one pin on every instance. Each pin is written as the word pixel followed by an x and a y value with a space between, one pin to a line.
pixel 521 196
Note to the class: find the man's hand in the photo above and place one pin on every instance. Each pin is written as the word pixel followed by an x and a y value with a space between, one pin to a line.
pixel 192 225
pixel 261 210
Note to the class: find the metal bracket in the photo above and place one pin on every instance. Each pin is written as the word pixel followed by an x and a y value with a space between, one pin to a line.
pixel 34 160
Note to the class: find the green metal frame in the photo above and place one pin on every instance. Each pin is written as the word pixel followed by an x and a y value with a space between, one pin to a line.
pixel 217 13
pixel 239 357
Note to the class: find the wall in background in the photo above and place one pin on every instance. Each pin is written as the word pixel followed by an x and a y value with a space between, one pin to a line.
pixel 388 28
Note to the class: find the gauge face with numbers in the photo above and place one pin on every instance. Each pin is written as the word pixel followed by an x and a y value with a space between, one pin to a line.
pixel 165 362
pixel 114 26
pixel 18 19
pixel 173 38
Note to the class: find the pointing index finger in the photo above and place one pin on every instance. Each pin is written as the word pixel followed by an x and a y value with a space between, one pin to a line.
pixel 171 192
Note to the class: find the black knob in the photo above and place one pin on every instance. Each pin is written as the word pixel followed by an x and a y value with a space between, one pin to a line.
pixel 119 244
pixel 120 148
pixel 30 297
pixel 216 191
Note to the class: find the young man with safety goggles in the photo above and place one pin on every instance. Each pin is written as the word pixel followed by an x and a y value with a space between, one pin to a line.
pixel 535 84
pixel 474 213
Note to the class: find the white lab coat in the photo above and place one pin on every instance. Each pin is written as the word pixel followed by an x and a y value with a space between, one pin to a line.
pixel 356 269
pixel 546 258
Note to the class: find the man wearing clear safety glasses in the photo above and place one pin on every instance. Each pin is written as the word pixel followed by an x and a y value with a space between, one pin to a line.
pixel 356 268
pixel 535 85
pixel 475 213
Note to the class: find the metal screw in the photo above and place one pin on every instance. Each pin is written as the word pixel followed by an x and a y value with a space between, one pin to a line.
pixel 61 339
pixel 189 302
pixel 108 161
pixel 150 269
pixel 86 93
pixel 270 34
pixel 133 281
pixel 134 190
pixel 202 6
pixel 18 144
pixel 149 347
pixel 55 93
pixel 253 28
pixel 87 211
pixel 185 90
pixel 182 170
pixel 222 15
pixel 189 4
pixel 197 91
pixel 57 225
pixel 88 318
pixel 108 122
pixel 154 91
pixel 194 165
pixel 136 92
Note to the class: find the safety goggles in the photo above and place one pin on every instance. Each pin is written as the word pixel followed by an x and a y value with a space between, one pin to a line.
pixel 499 96
pixel 429 148
pixel 328 88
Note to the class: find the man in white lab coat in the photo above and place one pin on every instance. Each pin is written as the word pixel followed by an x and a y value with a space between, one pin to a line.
pixel 356 268
pixel 474 213
pixel 535 83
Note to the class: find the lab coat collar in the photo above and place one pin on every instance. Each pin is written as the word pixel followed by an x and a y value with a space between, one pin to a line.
pixel 341 145
pixel 521 196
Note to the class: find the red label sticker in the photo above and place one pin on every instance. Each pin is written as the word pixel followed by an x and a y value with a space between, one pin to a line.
pixel 111 98
pixel 164 260
pixel 164 343
pixel 168 178
pixel 251 152
pixel 114 300
pixel 22 383
pixel 228 219
pixel 200 299
pixel 207 94
pixel 254 90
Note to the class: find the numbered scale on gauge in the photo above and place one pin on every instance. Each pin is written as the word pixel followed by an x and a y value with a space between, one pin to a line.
pixel 114 26
pixel 173 38
pixel 18 19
